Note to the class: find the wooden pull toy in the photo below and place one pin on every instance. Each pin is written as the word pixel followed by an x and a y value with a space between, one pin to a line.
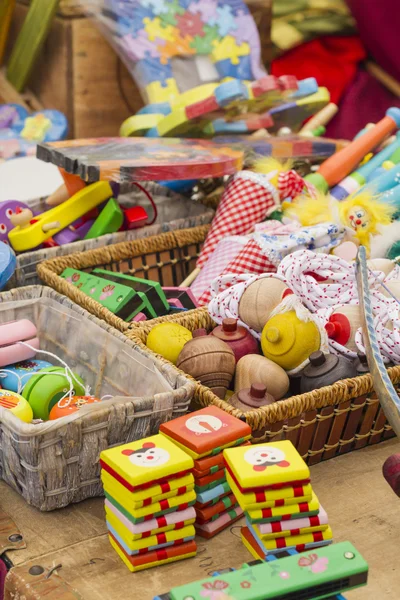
pixel 260 299
pixel 17 405
pixel 75 405
pixel 237 337
pixel 31 235
pixel 21 218
pixel 325 369
pixel 254 367
pixel 209 360
pixel 343 324
pixel 253 397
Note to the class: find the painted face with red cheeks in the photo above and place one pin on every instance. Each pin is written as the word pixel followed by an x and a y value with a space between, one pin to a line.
pixel 264 456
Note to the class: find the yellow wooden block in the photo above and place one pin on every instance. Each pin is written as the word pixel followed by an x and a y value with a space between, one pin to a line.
pixel 157 92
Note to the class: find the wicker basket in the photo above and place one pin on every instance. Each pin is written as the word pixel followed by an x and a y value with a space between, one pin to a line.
pixel 321 424
pixel 168 258
pixel 174 212
pixel 55 463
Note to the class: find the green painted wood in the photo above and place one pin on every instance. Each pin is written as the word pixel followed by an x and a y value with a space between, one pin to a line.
pixel 30 41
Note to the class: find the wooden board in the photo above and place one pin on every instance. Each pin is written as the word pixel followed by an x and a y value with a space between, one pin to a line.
pixel 361 508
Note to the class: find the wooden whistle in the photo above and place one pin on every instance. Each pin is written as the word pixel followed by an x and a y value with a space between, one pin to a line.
pixel 335 168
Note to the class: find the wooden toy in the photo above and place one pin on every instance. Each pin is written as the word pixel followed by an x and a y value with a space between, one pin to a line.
pixel 237 337
pixel 47 387
pixel 207 481
pixel 13 332
pixel 151 290
pixel 136 302
pixel 280 513
pixel 20 373
pixel 263 465
pixel 209 360
pixel 252 397
pixel 336 168
pixel 208 464
pixel 325 369
pixel 293 114
pixel 361 364
pixel 152 559
pixel 109 220
pixel 145 549
pixel 72 233
pixel 17 405
pixel 325 572
pixel 135 217
pixel 259 300
pixel 343 324
pixel 296 542
pixel 183 294
pixel 54 220
pixel 321 118
pixel 75 405
pixel 284 528
pixel 8 264
pixel 205 514
pixel 186 499
pixel 289 341
pixel 206 431
pixel 8 209
pixel 215 494
pixel 176 520
pixel 391 472
pixel 271 498
pixel 142 159
pixel 168 339
pixel 210 529
pixel 381 264
pixel 254 367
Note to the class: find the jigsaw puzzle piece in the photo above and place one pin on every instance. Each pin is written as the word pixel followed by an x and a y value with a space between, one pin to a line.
pixel 207 9
pixel 165 91
pixel 204 44
pixel 139 46
pixel 190 24
pixel 227 48
pixel 224 20
pixel 156 29
pixel 241 69
pixel 171 11
pixel 180 46
pixel 150 69
pixel 44 126
pixel 156 6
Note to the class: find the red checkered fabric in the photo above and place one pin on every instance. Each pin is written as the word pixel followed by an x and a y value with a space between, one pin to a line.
pixel 244 203
pixel 290 184
pixel 249 260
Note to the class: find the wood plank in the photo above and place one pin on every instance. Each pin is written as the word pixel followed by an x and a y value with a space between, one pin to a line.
pixel 361 507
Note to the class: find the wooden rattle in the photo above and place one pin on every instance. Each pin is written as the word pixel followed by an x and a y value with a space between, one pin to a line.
pixel 75 405
pixel 237 337
pixel 289 341
pixel 254 367
pixel 17 405
pixel 343 324
pixel 253 397
pixel 260 299
pixel 325 369
pixel 46 388
pixel 209 360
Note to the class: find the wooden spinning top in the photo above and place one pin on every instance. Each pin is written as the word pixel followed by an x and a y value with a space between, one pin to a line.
pixel 343 324
pixel 325 369
pixel 260 299
pixel 209 360
pixel 361 364
pixel 237 337
pixel 253 397
pixel 254 367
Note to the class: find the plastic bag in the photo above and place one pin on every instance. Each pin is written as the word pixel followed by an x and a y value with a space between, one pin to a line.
pixel 170 46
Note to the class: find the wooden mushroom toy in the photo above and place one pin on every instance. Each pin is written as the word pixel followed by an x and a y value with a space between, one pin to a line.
pixel 325 369
pixel 237 337
pixel 343 324
pixel 22 217
pixel 253 397
pixel 254 367
pixel 260 299
pixel 209 360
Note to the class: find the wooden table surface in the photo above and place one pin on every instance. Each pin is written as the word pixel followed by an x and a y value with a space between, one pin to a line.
pixel 361 508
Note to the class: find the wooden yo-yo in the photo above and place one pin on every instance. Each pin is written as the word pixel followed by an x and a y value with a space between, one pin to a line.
pixel 254 367
pixel 209 360
pixel 325 369
pixel 343 324
pixel 237 337
pixel 260 299
pixel 253 397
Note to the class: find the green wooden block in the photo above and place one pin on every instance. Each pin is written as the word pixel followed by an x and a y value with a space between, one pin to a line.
pixel 109 220
pixel 30 41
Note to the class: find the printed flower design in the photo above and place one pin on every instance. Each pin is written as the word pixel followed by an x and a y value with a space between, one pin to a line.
pixel 314 563
pixel 245 584
pixel 214 590
pixel 107 291
pixel 190 24
pixel 284 575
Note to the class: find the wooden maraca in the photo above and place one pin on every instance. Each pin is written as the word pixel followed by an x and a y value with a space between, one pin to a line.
pixel 343 324
pixel 237 337
pixel 260 299
pixel 253 397
pixel 254 367
pixel 209 360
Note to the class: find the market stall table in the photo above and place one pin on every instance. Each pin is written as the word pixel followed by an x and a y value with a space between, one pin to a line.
pixel 361 507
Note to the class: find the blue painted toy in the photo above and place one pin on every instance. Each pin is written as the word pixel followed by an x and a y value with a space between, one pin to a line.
pixel 8 263
pixel 20 372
